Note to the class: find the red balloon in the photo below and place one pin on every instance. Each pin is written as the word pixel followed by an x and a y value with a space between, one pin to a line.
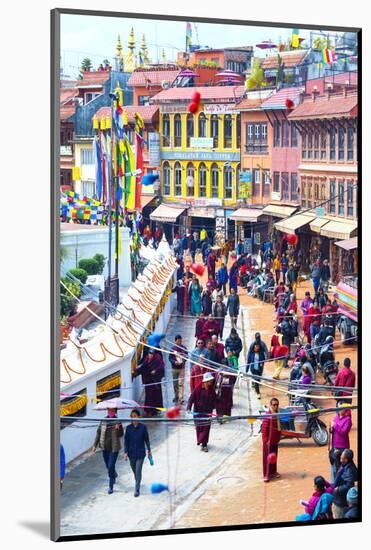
pixel 289 103
pixel 173 412
pixel 196 96
pixel 198 269
pixel 292 239
pixel 272 458
pixel 193 107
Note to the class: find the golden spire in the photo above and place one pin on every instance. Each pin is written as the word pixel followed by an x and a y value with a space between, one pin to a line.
pixel 131 44
pixel 130 62
pixel 119 47
pixel 144 49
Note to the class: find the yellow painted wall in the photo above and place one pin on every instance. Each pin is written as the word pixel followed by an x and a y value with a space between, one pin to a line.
pixel 196 163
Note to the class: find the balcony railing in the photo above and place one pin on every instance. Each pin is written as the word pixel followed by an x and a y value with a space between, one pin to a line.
pixel 257 148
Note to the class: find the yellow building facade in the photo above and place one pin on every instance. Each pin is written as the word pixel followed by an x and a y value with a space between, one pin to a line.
pixel 200 155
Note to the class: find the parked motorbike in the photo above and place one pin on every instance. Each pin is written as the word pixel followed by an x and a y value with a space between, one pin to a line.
pixel 301 424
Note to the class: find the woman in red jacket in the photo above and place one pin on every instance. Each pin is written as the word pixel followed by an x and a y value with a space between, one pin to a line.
pixel 271 434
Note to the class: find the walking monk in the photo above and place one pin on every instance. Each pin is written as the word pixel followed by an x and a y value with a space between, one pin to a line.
pixel 271 433
pixel 152 371
pixel 203 399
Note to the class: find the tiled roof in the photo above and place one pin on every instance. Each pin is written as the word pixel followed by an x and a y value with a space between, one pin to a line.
pixel 94 77
pixel 334 105
pixel 289 59
pixel 278 100
pixel 207 93
pixel 248 105
pixel 147 112
pixel 66 111
pixel 67 94
pixel 152 78
pixel 351 77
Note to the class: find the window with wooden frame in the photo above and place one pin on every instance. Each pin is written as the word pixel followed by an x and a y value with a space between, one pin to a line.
pixel 214 181
pixel 341 197
pixel 303 189
pixel 202 180
pixel 316 145
pixel 323 144
pixel 166 176
pixel 332 143
pixel 350 143
pixel 309 192
pixel 310 145
pixel 350 199
pixel 190 128
pixel 166 130
pixel 304 144
pixel 332 201
pixel 178 179
pixel 341 143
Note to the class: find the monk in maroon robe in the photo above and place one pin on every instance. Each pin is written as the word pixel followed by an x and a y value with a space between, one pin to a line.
pixel 210 327
pixel 224 393
pixel 199 326
pixel 211 260
pixel 203 400
pixel 152 372
pixel 271 434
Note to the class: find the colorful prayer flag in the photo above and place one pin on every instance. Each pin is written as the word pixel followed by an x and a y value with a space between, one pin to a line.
pixel 295 38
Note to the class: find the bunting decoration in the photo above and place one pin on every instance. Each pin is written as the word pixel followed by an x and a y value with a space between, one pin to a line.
pixel 98 168
pixel 188 36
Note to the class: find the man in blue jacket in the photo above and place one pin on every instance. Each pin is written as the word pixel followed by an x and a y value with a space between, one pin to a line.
pixel 222 278
pixel 136 438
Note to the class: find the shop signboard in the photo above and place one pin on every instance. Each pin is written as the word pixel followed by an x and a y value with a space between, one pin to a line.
pixel 154 148
pixel 202 142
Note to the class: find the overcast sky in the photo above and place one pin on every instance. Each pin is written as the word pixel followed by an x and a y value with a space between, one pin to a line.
pixel 96 37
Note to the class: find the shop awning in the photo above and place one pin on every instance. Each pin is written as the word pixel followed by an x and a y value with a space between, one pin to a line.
pixel 146 199
pixel 339 230
pixel 290 225
pixel 202 212
pixel 247 215
pixel 166 213
pixel 317 223
pixel 348 244
pixel 279 211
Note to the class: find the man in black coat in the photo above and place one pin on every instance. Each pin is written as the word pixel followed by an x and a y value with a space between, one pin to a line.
pixel 345 480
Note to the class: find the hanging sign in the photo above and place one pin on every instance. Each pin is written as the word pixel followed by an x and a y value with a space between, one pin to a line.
pixel 154 148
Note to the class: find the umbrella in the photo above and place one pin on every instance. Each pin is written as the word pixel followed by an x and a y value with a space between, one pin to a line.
pixel 228 72
pixel 266 45
pixel 229 81
pixel 187 72
pixel 116 403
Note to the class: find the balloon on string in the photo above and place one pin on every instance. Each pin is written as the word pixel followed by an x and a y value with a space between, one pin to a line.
pixel 196 97
pixel 149 179
pixel 193 107
pixel 158 488
pixel 292 239
pixel 272 458
pixel 155 339
pixel 289 103
pixel 173 412
pixel 198 268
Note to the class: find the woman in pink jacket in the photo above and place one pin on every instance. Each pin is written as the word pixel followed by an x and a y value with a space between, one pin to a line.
pixel 321 486
pixel 340 428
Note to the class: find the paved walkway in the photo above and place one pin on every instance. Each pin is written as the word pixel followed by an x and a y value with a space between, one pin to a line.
pixel 86 506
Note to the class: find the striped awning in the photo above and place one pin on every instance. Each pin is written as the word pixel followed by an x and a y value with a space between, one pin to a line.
pixel 290 225
pixel 317 223
pixel 166 213
pixel 247 214
pixel 339 230
pixel 279 210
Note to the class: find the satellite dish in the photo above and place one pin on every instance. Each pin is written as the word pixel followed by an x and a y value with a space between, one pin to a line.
pixel 165 84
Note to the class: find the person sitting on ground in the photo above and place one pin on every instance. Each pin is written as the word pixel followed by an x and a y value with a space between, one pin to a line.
pixel 345 480
pixel 321 486
pixel 351 511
